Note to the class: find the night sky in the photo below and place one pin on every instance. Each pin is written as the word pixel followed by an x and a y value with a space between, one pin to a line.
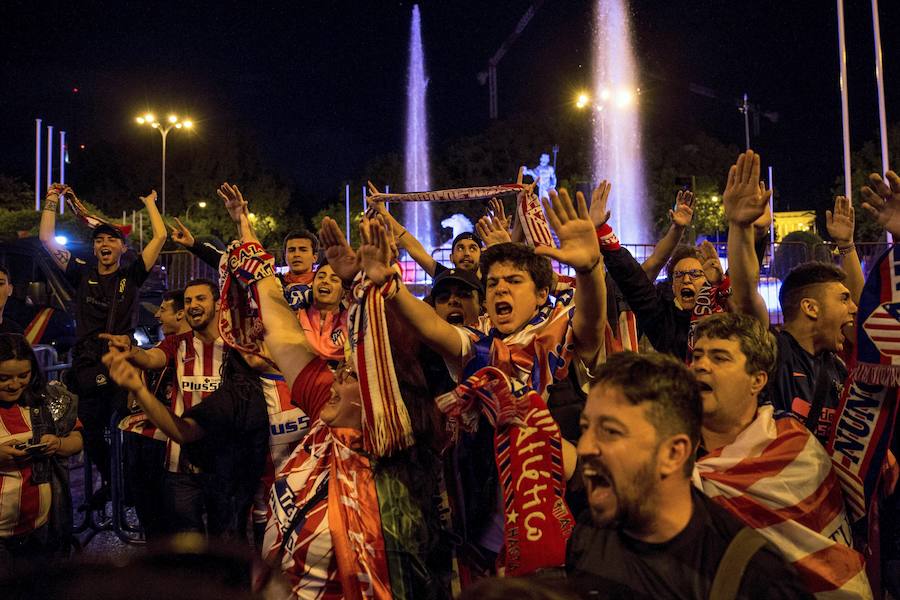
pixel 322 83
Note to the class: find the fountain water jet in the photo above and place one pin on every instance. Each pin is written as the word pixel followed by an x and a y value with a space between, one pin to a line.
pixel 417 215
pixel 617 135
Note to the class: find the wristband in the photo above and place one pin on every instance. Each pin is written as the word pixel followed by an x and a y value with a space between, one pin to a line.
pixel 846 249
pixel 590 269
pixel 607 238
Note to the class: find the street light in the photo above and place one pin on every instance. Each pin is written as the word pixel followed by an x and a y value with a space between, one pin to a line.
pixel 187 214
pixel 164 129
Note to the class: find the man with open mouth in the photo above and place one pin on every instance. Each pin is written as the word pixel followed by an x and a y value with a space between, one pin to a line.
pixel 806 520
pixel 650 533
pixel 457 295
pixel 106 302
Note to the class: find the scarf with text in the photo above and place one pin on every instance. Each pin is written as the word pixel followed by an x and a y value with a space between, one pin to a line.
pixel 528 453
pixel 91 220
pixel 528 206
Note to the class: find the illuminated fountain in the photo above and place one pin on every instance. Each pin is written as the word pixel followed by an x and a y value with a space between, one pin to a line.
pixel 417 215
pixel 617 136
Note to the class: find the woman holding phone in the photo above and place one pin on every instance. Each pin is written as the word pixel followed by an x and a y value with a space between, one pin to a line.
pixel 31 439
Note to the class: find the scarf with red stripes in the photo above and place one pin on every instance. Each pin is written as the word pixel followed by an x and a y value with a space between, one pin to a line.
pixel 777 478
pixel 528 206
pixel 528 453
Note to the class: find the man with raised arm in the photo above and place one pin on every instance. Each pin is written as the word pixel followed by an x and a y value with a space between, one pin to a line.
pixel 664 317
pixel 107 299
pixel 197 357
pixel 523 333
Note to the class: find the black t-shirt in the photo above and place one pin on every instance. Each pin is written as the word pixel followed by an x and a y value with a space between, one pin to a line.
pixel 791 388
pixel 608 564
pixel 10 326
pixel 96 293
pixel 236 441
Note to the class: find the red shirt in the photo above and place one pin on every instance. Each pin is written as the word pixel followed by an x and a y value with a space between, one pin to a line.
pixel 24 506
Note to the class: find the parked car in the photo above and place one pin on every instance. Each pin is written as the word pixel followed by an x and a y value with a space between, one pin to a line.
pixel 45 300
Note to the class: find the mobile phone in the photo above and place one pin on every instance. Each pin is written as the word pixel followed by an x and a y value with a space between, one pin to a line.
pixel 31 448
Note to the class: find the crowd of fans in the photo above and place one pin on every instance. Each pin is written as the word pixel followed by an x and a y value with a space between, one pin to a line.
pixel 517 433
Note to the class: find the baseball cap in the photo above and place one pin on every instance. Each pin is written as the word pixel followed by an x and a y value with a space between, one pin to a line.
pixel 466 235
pixel 108 230
pixel 462 276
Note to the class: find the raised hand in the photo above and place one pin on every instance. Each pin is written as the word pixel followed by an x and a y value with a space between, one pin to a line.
pixel 234 201
pixel 712 266
pixel 375 252
pixel 122 344
pixel 337 251
pixel 122 372
pixel 599 198
pixel 745 198
pixel 840 223
pixel 498 214
pixel 684 209
pixel 181 235
pixel 491 231
pixel 882 200
pixel 578 246
pixel 151 197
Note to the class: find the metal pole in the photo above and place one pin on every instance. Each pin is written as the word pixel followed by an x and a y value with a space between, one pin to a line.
pixel 164 132
pixel 364 197
pixel 37 164
pixel 882 115
pixel 62 165
pixel 49 154
pixel 141 229
pixel 845 111
pixel 347 210
pixel 772 212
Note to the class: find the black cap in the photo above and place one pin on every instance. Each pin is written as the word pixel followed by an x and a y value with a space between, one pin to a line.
pixel 467 278
pixel 108 230
pixel 466 235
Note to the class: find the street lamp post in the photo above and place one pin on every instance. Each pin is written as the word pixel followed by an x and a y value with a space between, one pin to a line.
pixel 187 214
pixel 172 121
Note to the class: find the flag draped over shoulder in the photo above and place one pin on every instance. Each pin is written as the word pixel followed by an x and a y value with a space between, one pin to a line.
pixel 777 478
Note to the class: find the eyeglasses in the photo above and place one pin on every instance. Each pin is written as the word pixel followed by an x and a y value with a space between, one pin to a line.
pixel 343 373
pixel 694 274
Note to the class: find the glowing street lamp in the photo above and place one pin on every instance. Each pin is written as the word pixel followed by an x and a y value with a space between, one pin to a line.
pixel 621 98
pixel 164 128
pixel 582 100
pixel 187 214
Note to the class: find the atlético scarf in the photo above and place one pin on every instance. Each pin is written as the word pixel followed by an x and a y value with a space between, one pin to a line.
pixel 239 322
pixel 528 453
pixel 777 478
pixel 864 423
pixel 386 425
pixel 528 206
pixel 325 332
pixel 710 301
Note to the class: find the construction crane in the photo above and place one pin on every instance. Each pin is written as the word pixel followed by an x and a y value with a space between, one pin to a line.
pixel 490 75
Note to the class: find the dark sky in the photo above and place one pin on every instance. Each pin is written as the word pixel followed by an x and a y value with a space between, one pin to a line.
pixel 322 83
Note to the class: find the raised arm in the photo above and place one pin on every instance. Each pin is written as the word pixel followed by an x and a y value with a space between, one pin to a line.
pixel 375 258
pixel 404 239
pixel 493 227
pixel 840 224
pixel 579 249
pixel 151 251
pixel 745 200
pixel 283 335
pixel 681 218
pixel 180 430
pixel 152 359
pixel 47 232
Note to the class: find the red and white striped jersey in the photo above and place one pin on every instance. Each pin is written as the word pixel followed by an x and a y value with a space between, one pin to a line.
pixel 197 375
pixel 288 425
pixel 24 506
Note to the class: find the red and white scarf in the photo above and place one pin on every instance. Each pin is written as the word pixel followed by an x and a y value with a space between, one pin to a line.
pixel 777 478
pixel 528 452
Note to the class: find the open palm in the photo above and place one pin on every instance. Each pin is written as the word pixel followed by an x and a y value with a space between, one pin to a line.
pixel 578 246
pixel 745 198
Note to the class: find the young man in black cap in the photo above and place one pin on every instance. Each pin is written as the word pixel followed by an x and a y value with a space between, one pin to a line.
pixel 107 299
pixel 457 296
